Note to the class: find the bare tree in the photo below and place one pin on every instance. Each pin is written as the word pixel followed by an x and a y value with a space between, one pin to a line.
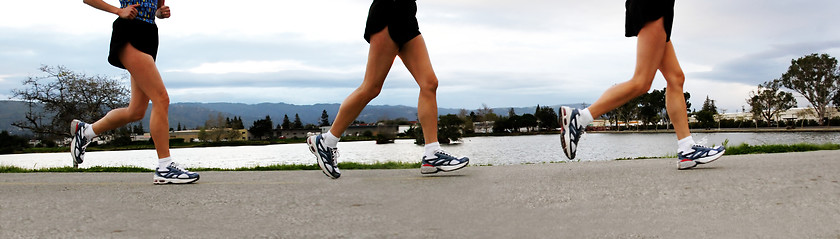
pixel 214 129
pixel 62 95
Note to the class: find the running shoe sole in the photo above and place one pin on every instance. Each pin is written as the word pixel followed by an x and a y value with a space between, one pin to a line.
pixel 687 164
pixel 429 169
pixel 162 180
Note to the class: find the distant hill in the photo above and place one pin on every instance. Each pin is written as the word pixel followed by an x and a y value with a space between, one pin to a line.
pixel 10 112
pixel 191 115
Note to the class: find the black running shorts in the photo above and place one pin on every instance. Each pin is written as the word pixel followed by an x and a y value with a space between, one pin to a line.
pixel 640 12
pixel 397 15
pixel 142 35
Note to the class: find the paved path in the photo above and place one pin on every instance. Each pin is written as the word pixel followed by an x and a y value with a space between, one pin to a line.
pixel 794 195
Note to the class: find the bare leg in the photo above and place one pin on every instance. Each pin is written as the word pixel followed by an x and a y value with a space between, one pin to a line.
pixel 674 98
pixel 118 117
pixel 415 56
pixel 146 80
pixel 381 56
pixel 649 52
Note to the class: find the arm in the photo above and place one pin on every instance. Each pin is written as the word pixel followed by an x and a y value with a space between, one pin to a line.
pixel 128 13
pixel 163 10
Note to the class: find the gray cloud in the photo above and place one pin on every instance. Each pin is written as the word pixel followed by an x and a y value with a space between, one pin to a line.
pixel 759 67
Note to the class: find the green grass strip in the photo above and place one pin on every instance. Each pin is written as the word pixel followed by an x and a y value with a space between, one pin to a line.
pixel 97 169
pixel 779 148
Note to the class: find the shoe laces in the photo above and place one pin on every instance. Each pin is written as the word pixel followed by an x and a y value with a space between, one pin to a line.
pixel 700 148
pixel 178 167
pixel 441 151
pixel 335 155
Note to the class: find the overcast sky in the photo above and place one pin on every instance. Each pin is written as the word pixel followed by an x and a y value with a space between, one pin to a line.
pixel 496 52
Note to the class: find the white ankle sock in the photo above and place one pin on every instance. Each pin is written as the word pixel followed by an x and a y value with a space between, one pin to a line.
pixel 684 144
pixel 585 117
pixel 88 132
pixel 164 162
pixel 431 149
pixel 330 140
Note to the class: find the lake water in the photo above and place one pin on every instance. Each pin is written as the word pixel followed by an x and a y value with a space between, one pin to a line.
pixel 481 150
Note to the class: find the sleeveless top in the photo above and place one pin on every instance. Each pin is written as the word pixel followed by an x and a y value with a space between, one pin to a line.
pixel 146 10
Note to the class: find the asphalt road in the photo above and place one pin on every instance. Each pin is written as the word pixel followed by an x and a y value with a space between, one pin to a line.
pixel 792 195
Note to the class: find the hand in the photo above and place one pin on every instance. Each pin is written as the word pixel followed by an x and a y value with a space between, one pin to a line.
pixel 129 12
pixel 163 11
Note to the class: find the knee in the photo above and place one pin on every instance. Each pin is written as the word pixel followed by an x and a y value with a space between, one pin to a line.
pixel 639 87
pixel 675 80
pixel 160 101
pixel 369 92
pixel 136 114
pixel 428 84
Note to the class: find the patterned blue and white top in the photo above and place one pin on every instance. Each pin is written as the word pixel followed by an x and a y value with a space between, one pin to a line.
pixel 146 10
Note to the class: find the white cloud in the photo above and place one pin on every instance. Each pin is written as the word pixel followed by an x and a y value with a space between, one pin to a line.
pixel 254 67
pixel 727 95
pixel 291 95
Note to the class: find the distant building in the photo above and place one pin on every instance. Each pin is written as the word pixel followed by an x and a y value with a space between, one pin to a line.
pixel 791 114
pixel 359 130
pixel 34 142
pixel 141 137
pixel 295 133
pixel 192 135
pixel 188 135
pixel 483 127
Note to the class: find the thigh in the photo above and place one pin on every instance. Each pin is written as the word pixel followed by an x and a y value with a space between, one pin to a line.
pixel 670 66
pixel 415 56
pixel 144 72
pixel 381 57
pixel 650 49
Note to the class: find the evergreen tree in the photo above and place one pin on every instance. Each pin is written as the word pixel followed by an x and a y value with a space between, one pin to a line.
pixel 239 124
pixel 449 128
pixel 297 124
pixel 262 128
pixel 706 116
pixel 325 119
pixel 547 118
pixel 286 123
pixel 139 130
